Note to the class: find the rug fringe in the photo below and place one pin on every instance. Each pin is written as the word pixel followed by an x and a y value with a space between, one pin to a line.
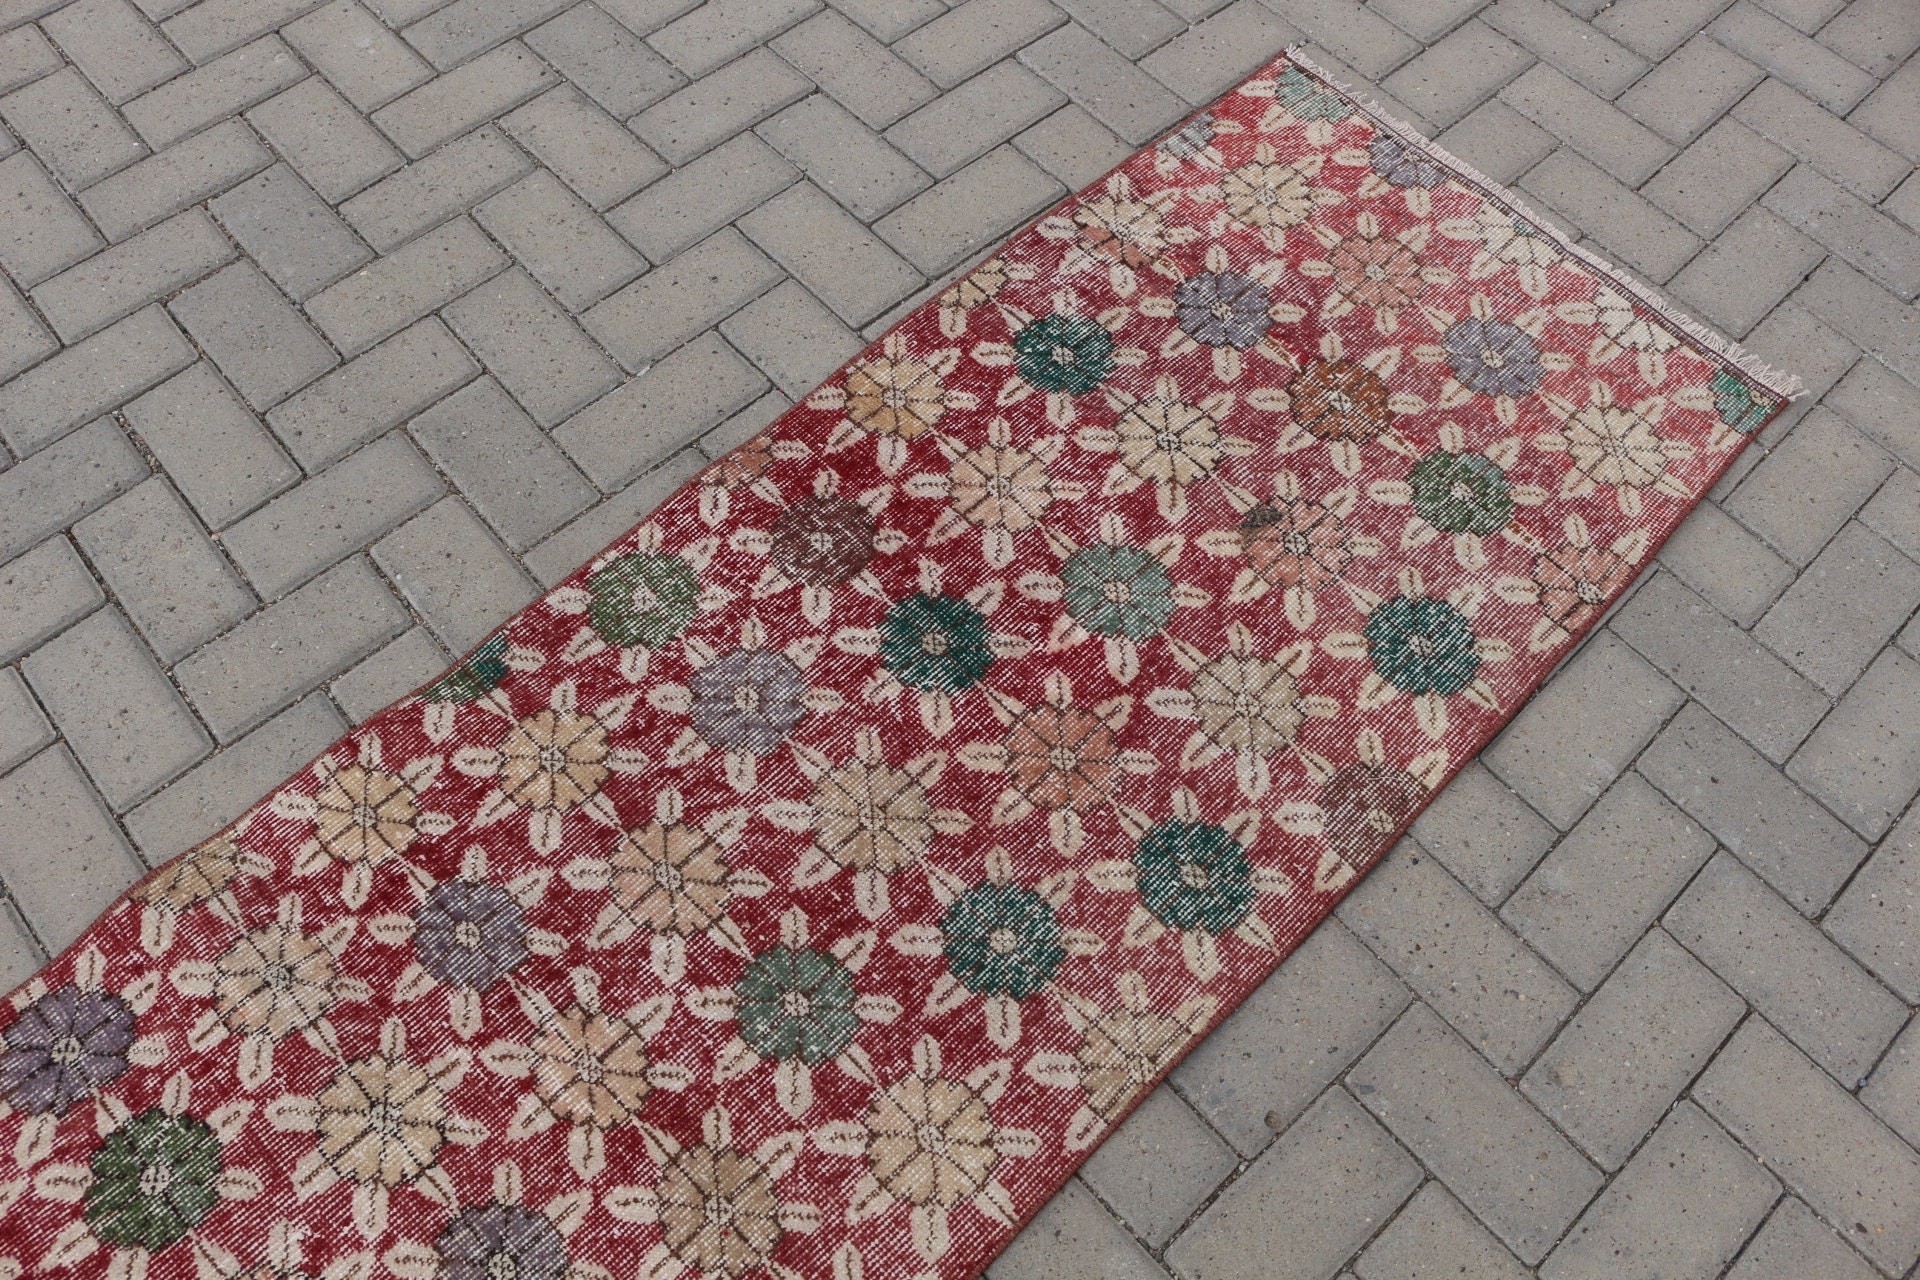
pixel 1786 385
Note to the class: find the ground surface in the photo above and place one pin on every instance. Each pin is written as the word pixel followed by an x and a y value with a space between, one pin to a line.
pixel 309 304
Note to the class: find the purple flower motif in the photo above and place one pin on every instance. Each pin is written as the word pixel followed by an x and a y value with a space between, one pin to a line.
pixel 1492 358
pixel 748 701
pixel 63 1047
pixel 1403 164
pixel 1191 139
pixel 469 934
pixel 501 1242
pixel 1223 309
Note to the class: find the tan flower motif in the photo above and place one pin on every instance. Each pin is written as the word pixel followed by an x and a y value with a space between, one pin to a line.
pixel 590 1068
pixel 365 814
pixel 1164 440
pixel 382 1120
pixel 895 394
pixel 1121 1051
pixel 979 288
pixel 671 878
pixel 195 876
pixel 1506 242
pixel 930 1142
pixel 275 981
pixel 553 764
pixel 1120 226
pixel 1615 446
pixel 999 486
pixel 1247 703
pixel 1267 195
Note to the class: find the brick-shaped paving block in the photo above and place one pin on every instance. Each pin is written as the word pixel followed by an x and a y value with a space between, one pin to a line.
pixel 1878 917
pixel 394 291
pixel 24 341
pixel 1458 956
pixel 1821 139
pixel 208 28
pixel 1583 52
pixel 1692 87
pixel 962 214
pixel 974 35
pixel 434 188
pixel 165 572
pixel 1849 603
pixel 135 272
pixel 825 248
pixel 1827 1147
pixel 717 32
pixel 287 230
pixel 1435 1236
pixel 455 32
pixel 1718 176
pixel 451 104
pixel 1616 1069
pixel 1874 319
pixel 1308 1202
pixel 23 728
pixel 115 707
pixel 1158 1166
pixel 974 117
pixel 25 56
pixel 270 659
pixel 521 484
pixel 1132 28
pixel 1118 94
pixel 1795 1245
pixel 1355 34
pixel 854 69
pixel 1863 762
pixel 1799 495
pixel 792 338
pixel 1596 128
pixel 215 450
pixel 587 535
pixel 1624 222
pixel 365 61
pixel 1732 569
pixel 326 141
pixel 41 594
pixel 843 157
pixel 1261 1067
pixel 1559 758
pixel 1482 831
pixel 61 857
pixel 586 147
pixel 253 334
pixel 1494 1151
pixel 1747 270
pixel 559 239
pixel 1893 1092
pixel 71 129
pixel 41 230
pixel 668 406
pixel 62 482
pixel 114 46
pixel 688 296
pixel 1807 65
pixel 533 347
pixel 702 197
pixel 383 678
pixel 1072 146
pixel 1840 220
pixel 186 173
pixel 223 87
pixel 612 64
pixel 1882 405
pixel 372 393
pixel 1457 72
pixel 454 574
pixel 1075 1238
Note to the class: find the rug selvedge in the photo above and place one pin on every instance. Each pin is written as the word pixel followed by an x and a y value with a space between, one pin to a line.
pixel 806 885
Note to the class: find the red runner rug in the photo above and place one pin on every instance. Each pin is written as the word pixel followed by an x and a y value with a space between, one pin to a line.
pixel 808 884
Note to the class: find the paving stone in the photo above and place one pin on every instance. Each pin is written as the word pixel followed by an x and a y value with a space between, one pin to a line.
pixel 62 859
pixel 719 31
pixel 1874 319
pixel 331 515
pixel 1074 1238
pixel 211 27
pixel 1306 1204
pixel 449 568
pixel 1586 53
pixel 270 659
pixel 1894 512
pixel 184 174
pixel 220 788
pixel 1847 604
pixel 1457 72
pixel 857 71
pixel 223 87
pixel 326 141
pixel 1118 94
pixel 743 426
pixel 1874 35
pixel 888 20
pixel 1786 968
pixel 1716 556
pixel 670 404
pixel 1883 406
pixel 1481 830
pixel 435 188
pixel 1733 676
pixel 974 117
pixel 90 378
pixel 1822 1143
pixel 286 228
pixel 172 581
pixel 697 200
pixel 366 62
pixel 577 543
pixel 505 466
pixel 843 157
pixel 41 231
pixel 1362 38
pixel 1680 1210
pixel 56 486
pixel 1805 490
pixel 1889 113
pixel 1273 1055
pixel 556 236
pixel 1132 27
pixel 1867 238
pixel 1458 957
pixel 1863 762
pixel 1821 139
pixel 451 104
pixel 373 393
pixel 24 341
pixel 393 292
pixel 826 249
pixel 1218 52
pixel 1795 1245
pixel 689 295
pixel 962 214
pixel 1808 66
pixel 1158 1166
pixel 1876 917
pixel 587 148
pixel 1692 87
pixel 531 346
pixel 389 675
pixel 395 13
pixel 1427 20
pixel 119 281
pixel 1477 1134
pixel 456 32
pixel 1435 1236
pixel 41 594
pixel 25 56
pixel 253 334
pixel 974 35
pixel 71 129
pixel 716 107
pixel 612 64
pixel 1792 334
pixel 1560 761
pixel 23 729
pixel 1655 28
pixel 1498 141
pixel 1598 129
pixel 796 342
pixel 211 446
pixel 1595 894
pixel 114 706
pixel 1716 178
pixel 1893 1093
pixel 1807 15
pixel 1072 146
pixel 1628 225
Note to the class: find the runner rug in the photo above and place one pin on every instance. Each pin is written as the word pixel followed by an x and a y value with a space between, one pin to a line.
pixel 805 887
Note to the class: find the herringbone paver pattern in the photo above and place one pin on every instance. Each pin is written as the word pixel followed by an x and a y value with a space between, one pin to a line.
pixel 319 333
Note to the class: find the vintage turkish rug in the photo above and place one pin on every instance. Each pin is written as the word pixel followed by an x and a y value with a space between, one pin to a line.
pixel 809 883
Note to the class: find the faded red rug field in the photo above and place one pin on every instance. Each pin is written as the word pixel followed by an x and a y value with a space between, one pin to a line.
pixel 808 884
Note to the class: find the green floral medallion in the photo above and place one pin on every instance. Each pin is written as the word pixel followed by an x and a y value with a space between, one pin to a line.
pixel 1063 353
pixel 1736 404
pixel 1461 492
pixel 796 1004
pixel 1193 875
pixel 643 600
pixel 935 642
pixel 475 678
pixel 1118 591
pixel 1002 940
pixel 1422 645
pixel 155 1178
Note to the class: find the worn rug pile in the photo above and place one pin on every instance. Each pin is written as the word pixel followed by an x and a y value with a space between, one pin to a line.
pixel 804 887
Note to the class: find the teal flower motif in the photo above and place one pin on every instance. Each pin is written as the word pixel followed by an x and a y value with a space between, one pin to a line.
pixel 1002 940
pixel 1461 492
pixel 796 1003
pixel 155 1178
pixel 642 600
pixel 1194 876
pixel 1308 99
pixel 1118 591
pixel 1736 404
pixel 1422 645
pixel 935 642
pixel 1063 353
pixel 475 678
